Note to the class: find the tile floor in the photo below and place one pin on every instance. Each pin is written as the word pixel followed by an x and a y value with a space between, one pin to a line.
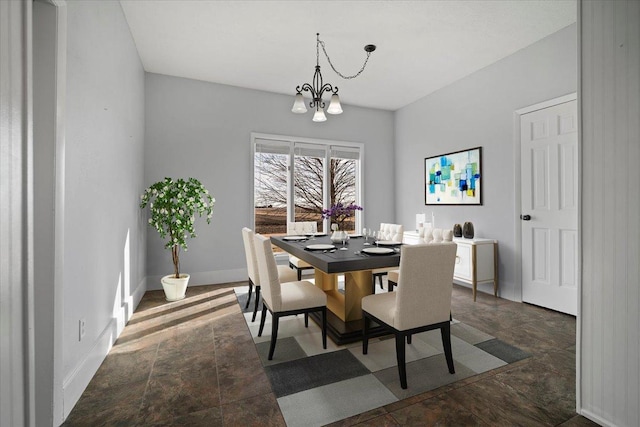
pixel 194 363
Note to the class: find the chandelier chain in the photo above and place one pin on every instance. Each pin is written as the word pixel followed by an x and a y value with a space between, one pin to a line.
pixel 321 43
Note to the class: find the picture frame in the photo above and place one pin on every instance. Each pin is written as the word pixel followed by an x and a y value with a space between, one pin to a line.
pixel 454 178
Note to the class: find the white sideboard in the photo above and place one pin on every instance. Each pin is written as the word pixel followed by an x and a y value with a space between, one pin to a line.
pixel 476 260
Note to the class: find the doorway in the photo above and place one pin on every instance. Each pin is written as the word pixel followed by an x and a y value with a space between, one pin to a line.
pixel 549 204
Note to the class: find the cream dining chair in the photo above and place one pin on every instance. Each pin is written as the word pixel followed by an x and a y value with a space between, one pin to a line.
pixel 300 228
pixel 426 235
pixel 285 299
pixel 285 273
pixel 421 303
pixel 391 232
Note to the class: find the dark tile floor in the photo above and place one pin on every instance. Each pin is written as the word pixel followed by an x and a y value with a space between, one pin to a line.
pixel 194 363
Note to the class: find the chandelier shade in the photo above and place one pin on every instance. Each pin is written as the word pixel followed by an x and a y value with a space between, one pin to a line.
pixel 319 116
pixel 334 105
pixel 318 88
pixel 298 104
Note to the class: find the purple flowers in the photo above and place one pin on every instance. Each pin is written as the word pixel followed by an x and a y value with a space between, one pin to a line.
pixel 339 212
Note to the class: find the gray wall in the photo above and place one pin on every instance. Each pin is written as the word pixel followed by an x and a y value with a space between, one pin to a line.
pixel 478 110
pixel 104 232
pixel 203 130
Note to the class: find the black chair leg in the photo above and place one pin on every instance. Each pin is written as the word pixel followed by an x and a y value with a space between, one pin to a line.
pixel 249 297
pixel 306 320
pixel 391 285
pixel 274 334
pixel 409 339
pixel 324 328
pixel 380 279
pixel 400 356
pixel 262 319
pixel 255 307
pixel 445 331
pixel 365 335
pixel 299 274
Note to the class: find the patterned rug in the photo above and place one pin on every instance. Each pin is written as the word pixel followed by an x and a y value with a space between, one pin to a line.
pixel 315 387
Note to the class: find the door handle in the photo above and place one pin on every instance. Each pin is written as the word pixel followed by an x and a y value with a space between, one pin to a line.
pixel 525 217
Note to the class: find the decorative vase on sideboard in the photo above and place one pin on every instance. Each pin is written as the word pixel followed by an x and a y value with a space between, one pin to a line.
pixel 467 230
pixel 457 230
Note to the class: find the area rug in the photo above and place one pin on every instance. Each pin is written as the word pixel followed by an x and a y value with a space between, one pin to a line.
pixel 315 386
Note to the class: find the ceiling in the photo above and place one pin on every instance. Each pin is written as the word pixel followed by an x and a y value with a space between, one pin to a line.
pixel 422 46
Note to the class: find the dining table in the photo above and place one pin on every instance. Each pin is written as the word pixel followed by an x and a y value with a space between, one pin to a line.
pixel 354 260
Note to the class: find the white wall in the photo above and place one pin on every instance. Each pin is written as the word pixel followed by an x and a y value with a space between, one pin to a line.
pixel 203 130
pixel 104 231
pixel 16 281
pixel 609 341
pixel 478 110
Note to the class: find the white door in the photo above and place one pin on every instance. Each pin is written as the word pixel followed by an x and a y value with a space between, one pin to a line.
pixel 549 220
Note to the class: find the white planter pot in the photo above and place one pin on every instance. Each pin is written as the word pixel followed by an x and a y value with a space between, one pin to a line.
pixel 175 289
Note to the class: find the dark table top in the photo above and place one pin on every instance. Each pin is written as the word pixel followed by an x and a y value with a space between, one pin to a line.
pixel 339 261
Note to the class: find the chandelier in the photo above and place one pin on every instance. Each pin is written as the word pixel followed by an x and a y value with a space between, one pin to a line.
pixel 317 88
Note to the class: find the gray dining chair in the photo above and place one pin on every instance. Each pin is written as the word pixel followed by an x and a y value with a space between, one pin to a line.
pixel 421 303
pixel 285 299
pixel 285 273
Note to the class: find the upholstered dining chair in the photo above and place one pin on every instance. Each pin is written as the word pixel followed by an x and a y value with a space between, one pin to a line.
pixel 427 235
pixel 421 303
pixel 285 299
pixel 284 272
pixel 300 228
pixel 395 233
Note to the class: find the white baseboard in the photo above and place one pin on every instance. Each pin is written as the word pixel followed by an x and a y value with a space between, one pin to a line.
pixel 204 278
pixel 77 381
pixel 596 419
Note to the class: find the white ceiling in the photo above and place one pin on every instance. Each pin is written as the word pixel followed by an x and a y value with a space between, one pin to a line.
pixel 271 45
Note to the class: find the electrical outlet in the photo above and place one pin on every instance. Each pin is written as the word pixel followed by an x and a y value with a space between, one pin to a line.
pixel 82 328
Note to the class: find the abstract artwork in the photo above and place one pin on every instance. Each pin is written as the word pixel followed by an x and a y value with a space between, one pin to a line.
pixel 454 178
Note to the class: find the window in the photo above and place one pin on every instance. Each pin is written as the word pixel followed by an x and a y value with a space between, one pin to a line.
pixel 295 179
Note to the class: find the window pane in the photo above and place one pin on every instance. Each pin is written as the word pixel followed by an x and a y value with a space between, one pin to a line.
pixel 308 184
pixel 343 186
pixel 270 192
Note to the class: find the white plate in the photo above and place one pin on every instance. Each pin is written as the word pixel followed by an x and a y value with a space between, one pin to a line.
pixel 378 251
pixel 320 247
pixel 294 238
pixel 388 243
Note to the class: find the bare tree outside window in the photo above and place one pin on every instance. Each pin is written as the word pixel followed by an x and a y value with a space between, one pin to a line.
pixel 271 189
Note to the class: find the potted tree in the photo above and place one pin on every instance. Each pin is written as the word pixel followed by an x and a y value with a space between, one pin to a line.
pixel 173 205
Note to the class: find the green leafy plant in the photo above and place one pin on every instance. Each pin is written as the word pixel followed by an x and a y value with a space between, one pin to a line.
pixel 173 205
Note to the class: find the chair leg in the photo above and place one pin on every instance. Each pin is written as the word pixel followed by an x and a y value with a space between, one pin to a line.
pixel 255 307
pixel 324 328
pixel 262 319
pixel 249 297
pixel 380 280
pixel 306 320
pixel 274 334
pixel 445 331
pixel 365 335
pixel 409 339
pixel 299 271
pixel 400 356
pixel 391 285
pixel 373 286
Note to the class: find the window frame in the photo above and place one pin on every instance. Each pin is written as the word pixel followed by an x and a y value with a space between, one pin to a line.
pixel 327 146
